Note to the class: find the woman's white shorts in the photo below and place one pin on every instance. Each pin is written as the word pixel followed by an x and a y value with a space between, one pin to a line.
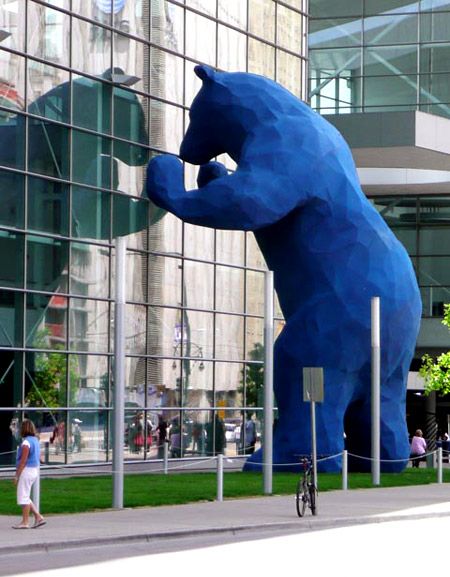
pixel 26 480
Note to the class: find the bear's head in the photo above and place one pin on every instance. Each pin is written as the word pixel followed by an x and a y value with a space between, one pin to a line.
pixel 228 107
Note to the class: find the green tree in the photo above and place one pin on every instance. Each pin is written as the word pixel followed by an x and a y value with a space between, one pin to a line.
pixel 436 372
pixel 254 376
pixel 49 379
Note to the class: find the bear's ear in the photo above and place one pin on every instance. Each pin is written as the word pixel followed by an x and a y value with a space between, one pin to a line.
pixel 205 72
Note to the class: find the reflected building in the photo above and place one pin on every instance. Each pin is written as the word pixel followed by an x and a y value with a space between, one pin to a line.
pixel 379 71
pixel 89 90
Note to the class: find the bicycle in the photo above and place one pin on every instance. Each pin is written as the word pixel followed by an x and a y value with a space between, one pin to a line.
pixel 306 489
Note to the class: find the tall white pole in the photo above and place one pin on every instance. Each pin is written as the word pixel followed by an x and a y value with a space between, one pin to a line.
pixel 119 373
pixel 268 383
pixel 375 399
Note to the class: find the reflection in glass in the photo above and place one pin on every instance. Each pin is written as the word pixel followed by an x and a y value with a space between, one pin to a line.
pixel 167 25
pixel 47 260
pixel 229 289
pixel 48 206
pixel 392 29
pixel 230 247
pixel 289 29
pixel 48 148
pixel 11 269
pixel 48 34
pixel 198 285
pixel 233 12
pixel 262 19
pixel 91 159
pixel 166 285
pixel 288 72
pixel 229 337
pixel 12 199
pixel 46 321
pixel 201 41
pixel 11 321
pixel 48 91
pixel 164 330
pixel 86 436
pixel 232 52
pixel 89 270
pixel 387 59
pixel 45 376
pixel 89 325
pixel 91 213
pixel 12 81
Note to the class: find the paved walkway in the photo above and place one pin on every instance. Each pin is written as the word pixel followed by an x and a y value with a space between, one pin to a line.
pixel 336 508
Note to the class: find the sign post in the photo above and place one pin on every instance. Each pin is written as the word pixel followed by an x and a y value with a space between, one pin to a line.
pixel 313 393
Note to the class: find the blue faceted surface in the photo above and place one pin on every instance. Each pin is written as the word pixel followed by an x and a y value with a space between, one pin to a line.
pixel 297 189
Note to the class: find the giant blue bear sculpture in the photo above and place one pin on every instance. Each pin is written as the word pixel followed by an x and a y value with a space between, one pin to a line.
pixel 297 189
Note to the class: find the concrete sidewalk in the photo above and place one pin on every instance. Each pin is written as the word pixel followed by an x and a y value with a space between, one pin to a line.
pixel 335 509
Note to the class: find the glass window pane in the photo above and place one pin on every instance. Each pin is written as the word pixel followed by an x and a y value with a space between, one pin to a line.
pixel 399 6
pixel 129 57
pixel 12 132
pixel 435 58
pixel 233 12
pixel 167 25
pixel 130 112
pixel 198 285
pixel 87 435
pixel 47 261
pixel 136 329
pixel 198 242
pixel 435 88
pixel 196 382
pixel 91 213
pixel 12 83
pixel 390 90
pixel 91 104
pixel 48 92
pixel 45 378
pixel 332 61
pixel 262 19
pixel 89 325
pixel 165 287
pixel 392 29
pixel 50 34
pixel 164 332
pixel 166 126
pixel 434 270
pixel 435 27
pixel 288 72
pixel 11 319
pixel 130 215
pixel 434 240
pixel 289 29
pixel 229 289
pixel 230 247
pixel 88 381
pixel 201 41
pixel 48 148
pixel 89 265
pixel 342 32
pixel 48 206
pixel 232 50
pixel 129 164
pixel 254 292
pixel 91 159
pixel 46 321
pixel 261 58
pixel 254 334
pixel 229 337
pixel 12 20
pixel 320 9
pixel 12 195
pixel 388 59
pixel 165 235
pixel 205 6
pixel 166 75
pixel 91 47
pixel 11 268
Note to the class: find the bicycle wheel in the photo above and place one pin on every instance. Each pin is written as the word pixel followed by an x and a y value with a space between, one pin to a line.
pixel 312 499
pixel 300 499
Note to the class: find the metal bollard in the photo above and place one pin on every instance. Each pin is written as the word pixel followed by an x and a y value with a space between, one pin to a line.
pixel 439 465
pixel 166 457
pixel 219 477
pixel 46 452
pixel 344 470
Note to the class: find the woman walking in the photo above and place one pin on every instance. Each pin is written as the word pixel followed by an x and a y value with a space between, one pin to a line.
pixel 27 471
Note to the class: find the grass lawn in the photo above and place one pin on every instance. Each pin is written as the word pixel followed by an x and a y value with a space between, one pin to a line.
pixel 81 494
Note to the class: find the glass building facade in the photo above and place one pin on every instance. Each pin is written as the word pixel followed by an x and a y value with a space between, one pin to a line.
pixel 89 90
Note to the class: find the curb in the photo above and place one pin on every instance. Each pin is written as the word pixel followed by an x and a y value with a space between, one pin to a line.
pixel 301 526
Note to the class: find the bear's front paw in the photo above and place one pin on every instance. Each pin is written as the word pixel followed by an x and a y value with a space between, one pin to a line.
pixel 209 172
pixel 164 178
